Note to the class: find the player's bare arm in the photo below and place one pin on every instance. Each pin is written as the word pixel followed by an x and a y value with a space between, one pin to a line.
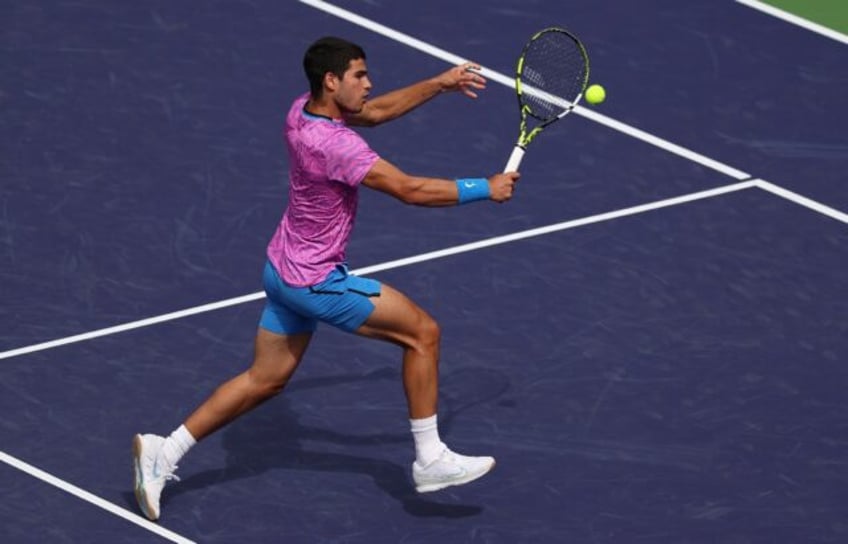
pixel 464 78
pixel 432 192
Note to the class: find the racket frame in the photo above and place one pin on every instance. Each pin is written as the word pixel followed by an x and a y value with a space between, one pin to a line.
pixel 524 137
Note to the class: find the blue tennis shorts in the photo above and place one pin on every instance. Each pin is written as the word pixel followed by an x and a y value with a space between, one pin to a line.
pixel 341 300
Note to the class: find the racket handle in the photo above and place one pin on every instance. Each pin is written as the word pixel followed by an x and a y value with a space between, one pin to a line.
pixel 514 159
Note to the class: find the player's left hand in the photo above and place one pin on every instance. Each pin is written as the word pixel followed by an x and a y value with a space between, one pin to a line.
pixel 464 78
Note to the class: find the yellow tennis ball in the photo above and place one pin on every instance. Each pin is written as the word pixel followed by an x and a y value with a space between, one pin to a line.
pixel 595 94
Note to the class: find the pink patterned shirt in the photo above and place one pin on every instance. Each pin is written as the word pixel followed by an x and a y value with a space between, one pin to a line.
pixel 328 161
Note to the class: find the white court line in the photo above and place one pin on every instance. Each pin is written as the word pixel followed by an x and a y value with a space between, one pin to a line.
pixel 801 200
pixel 451 58
pixel 795 20
pixel 558 227
pixel 93 499
pixel 497 240
pixel 133 325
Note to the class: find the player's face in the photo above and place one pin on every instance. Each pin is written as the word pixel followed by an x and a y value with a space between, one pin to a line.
pixel 354 87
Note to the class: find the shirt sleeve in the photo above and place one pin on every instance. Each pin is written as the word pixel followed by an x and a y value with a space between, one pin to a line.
pixel 348 158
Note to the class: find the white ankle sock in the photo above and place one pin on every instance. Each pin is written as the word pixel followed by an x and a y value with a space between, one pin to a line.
pixel 177 445
pixel 428 445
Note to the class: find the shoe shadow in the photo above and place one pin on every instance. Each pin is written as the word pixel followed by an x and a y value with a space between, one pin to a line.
pixel 271 437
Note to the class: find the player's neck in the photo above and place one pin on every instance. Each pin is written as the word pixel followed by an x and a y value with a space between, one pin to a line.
pixel 323 107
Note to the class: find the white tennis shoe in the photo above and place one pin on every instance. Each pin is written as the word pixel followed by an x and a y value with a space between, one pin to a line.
pixel 151 473
pixel 449 469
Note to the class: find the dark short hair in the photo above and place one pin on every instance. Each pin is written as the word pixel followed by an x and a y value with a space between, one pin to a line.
pixel 328 54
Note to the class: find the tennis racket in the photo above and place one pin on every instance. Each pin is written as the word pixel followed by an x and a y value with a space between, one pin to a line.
pixel 550 78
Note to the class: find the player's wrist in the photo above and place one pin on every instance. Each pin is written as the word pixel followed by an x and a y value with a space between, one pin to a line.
pixel 472 190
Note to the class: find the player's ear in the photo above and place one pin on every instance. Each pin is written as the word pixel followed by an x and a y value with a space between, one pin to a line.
pixel 331 82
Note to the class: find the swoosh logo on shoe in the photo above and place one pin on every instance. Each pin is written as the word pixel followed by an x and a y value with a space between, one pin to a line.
pixel 462 472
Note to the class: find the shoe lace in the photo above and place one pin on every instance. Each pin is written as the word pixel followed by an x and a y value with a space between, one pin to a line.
pixel 448 455
pixel 168 474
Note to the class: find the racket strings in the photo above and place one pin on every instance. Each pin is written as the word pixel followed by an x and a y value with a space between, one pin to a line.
pixel 554 74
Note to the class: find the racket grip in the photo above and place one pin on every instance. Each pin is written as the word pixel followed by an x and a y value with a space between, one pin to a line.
pixel 514 159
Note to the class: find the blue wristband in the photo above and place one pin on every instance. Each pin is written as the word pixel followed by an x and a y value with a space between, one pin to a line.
pixel 472 189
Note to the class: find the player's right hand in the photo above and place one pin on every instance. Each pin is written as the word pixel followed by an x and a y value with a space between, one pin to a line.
pixel 501 186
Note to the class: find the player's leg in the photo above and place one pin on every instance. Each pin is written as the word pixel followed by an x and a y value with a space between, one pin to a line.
pixel 395 318
pixel 275 359
pixel 281 341
pixel 280 344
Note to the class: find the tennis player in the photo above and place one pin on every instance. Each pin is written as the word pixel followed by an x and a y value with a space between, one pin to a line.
pixel 306 277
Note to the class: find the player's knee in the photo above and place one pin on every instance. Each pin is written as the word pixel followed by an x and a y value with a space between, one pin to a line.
pixel 274 387
pixel 429 334
pixel 268 385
